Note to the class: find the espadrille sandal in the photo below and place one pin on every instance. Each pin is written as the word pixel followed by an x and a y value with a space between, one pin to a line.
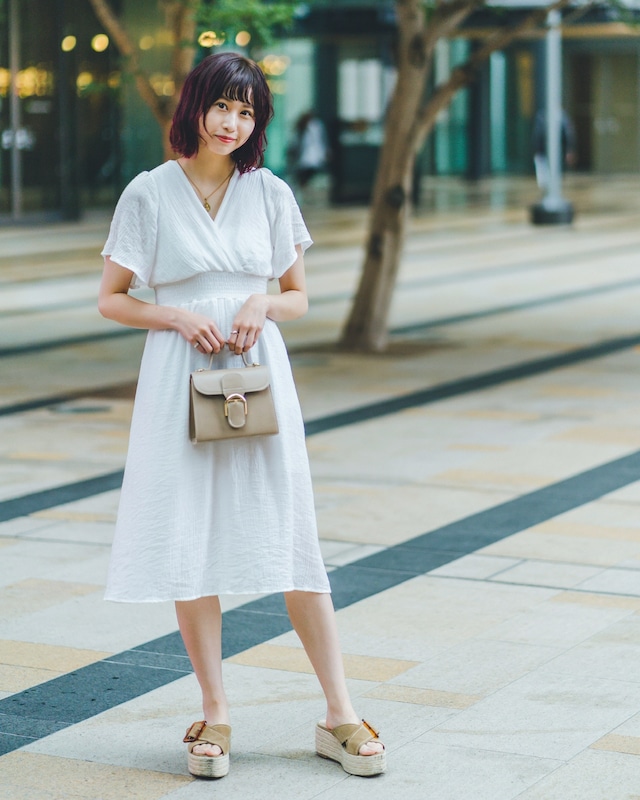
pixel 343 743
pixel 208 766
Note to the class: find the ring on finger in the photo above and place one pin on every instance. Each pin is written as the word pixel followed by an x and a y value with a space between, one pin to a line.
pixel 197 345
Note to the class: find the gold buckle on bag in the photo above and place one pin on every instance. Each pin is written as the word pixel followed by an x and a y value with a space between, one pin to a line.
pixel 235 398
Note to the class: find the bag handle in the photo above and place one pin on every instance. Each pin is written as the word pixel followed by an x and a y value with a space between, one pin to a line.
pixel 244 358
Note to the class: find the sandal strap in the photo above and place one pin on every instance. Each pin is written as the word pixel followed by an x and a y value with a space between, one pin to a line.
pixel 201 733
pixel 352 736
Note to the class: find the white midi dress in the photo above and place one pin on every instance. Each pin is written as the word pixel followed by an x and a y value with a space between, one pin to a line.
pixel 225 517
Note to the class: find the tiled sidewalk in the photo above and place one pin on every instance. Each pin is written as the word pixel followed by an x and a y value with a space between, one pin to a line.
pixel 499 657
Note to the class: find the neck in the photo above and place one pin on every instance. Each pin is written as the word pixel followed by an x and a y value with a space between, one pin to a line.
pixel 208 166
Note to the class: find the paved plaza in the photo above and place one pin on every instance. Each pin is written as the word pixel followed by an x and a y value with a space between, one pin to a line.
pixel 478 497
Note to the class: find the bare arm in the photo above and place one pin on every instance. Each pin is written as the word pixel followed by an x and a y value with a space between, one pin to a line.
pixel 291 303
pixel 115 302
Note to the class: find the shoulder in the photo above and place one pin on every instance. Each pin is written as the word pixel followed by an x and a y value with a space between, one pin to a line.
pixel 144 190
pixel 272 186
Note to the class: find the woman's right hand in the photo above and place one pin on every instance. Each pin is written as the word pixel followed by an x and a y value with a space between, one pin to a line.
pixel 200 331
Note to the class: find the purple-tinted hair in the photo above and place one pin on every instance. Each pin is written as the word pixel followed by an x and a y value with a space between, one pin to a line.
pixel 235 77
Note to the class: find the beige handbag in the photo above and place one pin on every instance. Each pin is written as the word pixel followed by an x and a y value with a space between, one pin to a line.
pixel 230 403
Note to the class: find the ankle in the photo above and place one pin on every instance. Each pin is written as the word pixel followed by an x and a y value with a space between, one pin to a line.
pixel 343 715
pixel 216 712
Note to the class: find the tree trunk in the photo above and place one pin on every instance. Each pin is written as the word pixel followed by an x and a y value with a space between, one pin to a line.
pixel 408 124
pixel 366 328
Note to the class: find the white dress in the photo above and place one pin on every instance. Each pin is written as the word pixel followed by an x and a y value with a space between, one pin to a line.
pixel 226 517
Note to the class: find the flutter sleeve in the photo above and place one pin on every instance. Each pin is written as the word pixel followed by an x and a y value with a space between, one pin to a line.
pixel 287 229
pixel 133 233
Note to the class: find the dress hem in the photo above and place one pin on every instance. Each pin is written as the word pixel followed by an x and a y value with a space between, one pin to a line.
pixel 112 599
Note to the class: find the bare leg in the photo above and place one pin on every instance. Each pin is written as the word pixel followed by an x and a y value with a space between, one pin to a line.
pixel 314 620
pixel 200 623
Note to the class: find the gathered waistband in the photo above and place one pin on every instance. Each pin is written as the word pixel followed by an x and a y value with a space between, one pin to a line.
pixel 209 285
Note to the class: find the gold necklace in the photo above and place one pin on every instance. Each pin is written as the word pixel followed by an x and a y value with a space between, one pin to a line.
pixel 205 200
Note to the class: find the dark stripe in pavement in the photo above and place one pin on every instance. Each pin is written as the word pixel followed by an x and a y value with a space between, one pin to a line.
pixel 510 308
pixel 564 297
pixel 53 344
pixel 37 501
pixel 472 383
pixel 48 498
pixel 77 696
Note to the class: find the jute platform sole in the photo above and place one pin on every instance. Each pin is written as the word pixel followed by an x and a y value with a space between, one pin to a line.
pixel 342 744
pixel 202 766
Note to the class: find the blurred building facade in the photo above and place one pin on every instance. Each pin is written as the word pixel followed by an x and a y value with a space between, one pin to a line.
pixel 73 130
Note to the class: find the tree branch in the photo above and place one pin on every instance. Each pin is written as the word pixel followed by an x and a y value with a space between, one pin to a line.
pixel 131 63
pixel 465 73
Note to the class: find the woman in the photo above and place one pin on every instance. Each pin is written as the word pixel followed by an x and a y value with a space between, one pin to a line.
pixel 207 232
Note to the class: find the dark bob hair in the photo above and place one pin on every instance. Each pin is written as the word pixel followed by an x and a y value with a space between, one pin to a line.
pixel 235 77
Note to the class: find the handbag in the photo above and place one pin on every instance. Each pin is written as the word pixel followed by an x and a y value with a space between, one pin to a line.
pixel 231 403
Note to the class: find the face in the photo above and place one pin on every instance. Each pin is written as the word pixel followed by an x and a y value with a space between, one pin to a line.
pixel 226 126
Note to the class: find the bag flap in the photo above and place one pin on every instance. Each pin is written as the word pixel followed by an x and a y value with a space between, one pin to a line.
pixel 245 379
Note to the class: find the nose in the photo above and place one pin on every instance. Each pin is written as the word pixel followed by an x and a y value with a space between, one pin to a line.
pixel 230 121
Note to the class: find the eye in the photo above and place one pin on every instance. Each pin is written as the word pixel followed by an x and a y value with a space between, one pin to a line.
pixel 221 104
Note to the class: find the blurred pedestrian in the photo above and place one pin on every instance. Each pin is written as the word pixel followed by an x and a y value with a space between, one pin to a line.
pixel 207 232
pixel 310 148
pixel 539 145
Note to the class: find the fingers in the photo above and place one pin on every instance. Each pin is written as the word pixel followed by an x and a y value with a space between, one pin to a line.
pixel 242 339
pixel 207 341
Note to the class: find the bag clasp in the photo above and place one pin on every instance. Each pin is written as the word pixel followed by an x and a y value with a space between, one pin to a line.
pixel 236 410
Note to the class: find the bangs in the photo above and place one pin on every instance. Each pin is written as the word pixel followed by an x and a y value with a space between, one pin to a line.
pixel 241 91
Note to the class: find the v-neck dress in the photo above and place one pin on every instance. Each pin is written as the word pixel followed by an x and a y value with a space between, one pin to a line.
pixel 225 517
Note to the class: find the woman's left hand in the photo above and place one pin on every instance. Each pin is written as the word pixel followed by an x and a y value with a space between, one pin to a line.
pixel 248 323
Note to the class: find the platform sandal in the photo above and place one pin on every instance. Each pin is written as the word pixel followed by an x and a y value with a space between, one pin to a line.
pixel 343 743
pixel 208 766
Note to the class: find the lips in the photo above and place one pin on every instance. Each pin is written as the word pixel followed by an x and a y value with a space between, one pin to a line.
pixel 225 139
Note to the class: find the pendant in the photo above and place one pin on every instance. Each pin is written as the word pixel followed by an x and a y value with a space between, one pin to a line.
pixel 206 205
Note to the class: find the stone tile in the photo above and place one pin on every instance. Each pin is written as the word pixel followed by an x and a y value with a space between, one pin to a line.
pixel 103 506
pixel 81 530
pixel 446 773
pixel 584 530
pixel 475 566
pixel 88 623
pixel 372 514
pixel 628 436
pixel 299 775
pixel 557 625
pixel 21 525
pixel 615 743
pixel 68 777
pixel 48 657
pixel 521 482
pixel 146 733
pixel 351 554
pixel 386 625
pixel 294 659
pixel 531 544
pixel 616 581
pixel 596 775
pixel 15 679
pixel 546 573
pixel 53 561
pixel 477 666
pixel 598 600
pixel 31 594
pixel 626 494
pixel 612 653
pixel 542 715
pixel 424 697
